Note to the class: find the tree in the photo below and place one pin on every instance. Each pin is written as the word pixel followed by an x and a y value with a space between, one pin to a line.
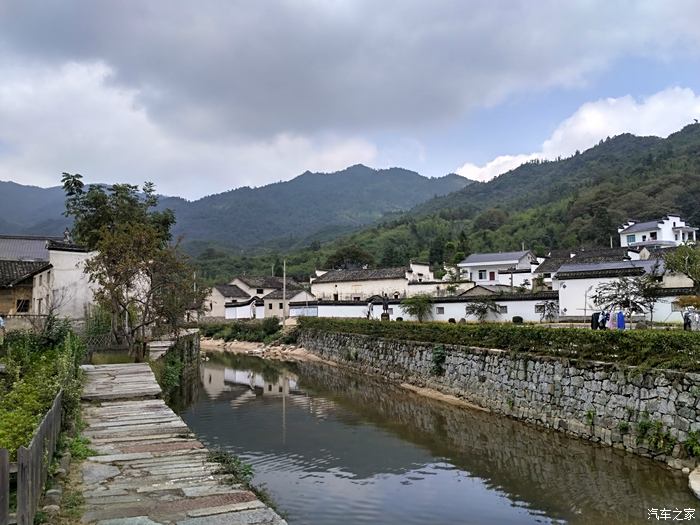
pixel 142 280
pixel 350 256
pixel 419 306
pixel 550 311
pixel 685 260
pixel 630 294
pixel 481 308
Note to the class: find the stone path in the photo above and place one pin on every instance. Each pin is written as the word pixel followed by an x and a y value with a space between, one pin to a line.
pixel 151 468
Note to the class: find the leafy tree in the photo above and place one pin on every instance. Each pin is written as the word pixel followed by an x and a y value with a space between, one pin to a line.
pixel 347 257
pixel 482 308
pixel 630 294
pixel 685 260
pixel 550 311
pixel 419 306
pixel 142 280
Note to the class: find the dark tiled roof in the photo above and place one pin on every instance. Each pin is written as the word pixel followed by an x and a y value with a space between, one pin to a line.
pixel 13 272
pixel 486 289
pixel 63 246
pixel 24 248
pixel 601 255
pixel 339 276
pixel 609 269
pixel 265 281
pixel 476 258
pixel 231 290
pixel 642 226
pixel 277 294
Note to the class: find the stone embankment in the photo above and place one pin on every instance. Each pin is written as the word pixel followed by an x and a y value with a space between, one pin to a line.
pixel 151 469
pixel 652 413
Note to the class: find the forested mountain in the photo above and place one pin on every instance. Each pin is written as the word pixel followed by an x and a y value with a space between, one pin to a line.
pixel 313 206
pixel 568 203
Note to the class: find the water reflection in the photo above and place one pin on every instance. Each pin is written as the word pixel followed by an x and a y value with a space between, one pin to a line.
pixel 336 447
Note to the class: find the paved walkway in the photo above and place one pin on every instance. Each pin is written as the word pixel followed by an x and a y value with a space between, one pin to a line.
pixel 152 469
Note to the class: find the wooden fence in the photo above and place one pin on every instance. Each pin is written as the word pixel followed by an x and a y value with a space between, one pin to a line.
pixel 31 468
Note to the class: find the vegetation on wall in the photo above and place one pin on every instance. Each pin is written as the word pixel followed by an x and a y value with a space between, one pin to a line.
pixel 37 366
pixel 644 348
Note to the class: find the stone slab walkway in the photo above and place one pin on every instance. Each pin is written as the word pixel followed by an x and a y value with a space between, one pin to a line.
pixel 151 468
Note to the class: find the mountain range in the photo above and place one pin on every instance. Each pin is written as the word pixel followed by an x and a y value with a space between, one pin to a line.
pixel 312 206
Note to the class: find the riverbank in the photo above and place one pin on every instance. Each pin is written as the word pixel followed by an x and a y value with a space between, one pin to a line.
pixel 299 354
pixel 648 412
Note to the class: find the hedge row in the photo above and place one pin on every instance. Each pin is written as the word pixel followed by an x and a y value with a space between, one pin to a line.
pixel 648 348
pixel 255 331
pixel 37 367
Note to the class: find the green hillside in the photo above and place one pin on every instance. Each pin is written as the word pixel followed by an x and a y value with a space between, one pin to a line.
pixel 568 203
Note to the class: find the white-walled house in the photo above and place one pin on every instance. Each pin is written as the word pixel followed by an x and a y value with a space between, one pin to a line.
pixel 484 268
pixel 64 288
pixel 260 286
pixel 220 295
pixel 362 284
pixel 670 230
pixel 275 305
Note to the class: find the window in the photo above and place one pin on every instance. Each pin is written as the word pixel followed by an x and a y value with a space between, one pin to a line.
pixel 644 238
pixel 492 276
pixel 259 291
pixel 652 236
pixel 281 306
pixel 279 389
pixel 631 239
pixel 482 275
pixel 676 236
pixel 269 306
pixel 502 309
pixel 269 388
pixel 22 306
pixel 440 309
pixel 356 298
pixel 539 308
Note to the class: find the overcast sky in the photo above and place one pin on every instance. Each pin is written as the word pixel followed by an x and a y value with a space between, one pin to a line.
pixel 205 96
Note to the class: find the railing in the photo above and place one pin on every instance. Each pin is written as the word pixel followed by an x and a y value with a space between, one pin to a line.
pixel 32 468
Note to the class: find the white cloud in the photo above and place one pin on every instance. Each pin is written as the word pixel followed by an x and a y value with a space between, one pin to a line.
pixel 72 118
pixel 659 114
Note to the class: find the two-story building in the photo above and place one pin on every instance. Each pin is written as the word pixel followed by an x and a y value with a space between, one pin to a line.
pixel 508 268
pixel 670 230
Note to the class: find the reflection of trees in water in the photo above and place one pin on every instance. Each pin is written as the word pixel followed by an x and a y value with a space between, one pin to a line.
pixel 545 469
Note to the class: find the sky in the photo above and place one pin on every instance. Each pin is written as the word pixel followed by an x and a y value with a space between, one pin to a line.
pixel 202 97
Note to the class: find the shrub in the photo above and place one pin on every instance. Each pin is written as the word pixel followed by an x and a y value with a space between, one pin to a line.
pixel 37 367
pixel 647 348
pixel 253 330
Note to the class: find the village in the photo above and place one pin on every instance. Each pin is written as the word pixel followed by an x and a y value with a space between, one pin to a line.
pixel 42 276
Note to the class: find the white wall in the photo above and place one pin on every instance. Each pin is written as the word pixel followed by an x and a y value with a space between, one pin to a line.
pixel 65 287
pixel 364 289
pixel 244 311
pixel 214 304
pixel 519 279
pixel 350 310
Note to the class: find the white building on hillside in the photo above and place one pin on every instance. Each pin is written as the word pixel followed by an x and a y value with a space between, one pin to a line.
pixel 667 231
pixel 509 268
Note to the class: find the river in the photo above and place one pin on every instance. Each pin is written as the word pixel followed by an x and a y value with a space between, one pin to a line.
pixel 335 447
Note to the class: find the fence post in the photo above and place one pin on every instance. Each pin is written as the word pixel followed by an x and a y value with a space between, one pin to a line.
pixel 24 472
pixel 4 486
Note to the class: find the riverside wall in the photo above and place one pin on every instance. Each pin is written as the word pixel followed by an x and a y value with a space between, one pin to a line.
pixel 651 413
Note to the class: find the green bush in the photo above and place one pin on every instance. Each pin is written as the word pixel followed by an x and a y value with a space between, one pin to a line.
pixel 37 367
pixel 253 330
pixel 647 348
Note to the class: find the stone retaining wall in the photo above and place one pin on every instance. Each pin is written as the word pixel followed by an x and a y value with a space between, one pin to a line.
pixel 649 413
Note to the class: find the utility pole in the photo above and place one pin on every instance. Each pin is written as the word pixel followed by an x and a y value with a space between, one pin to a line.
pixel 284 291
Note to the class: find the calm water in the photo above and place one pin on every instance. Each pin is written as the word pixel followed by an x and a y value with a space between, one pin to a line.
pixel 334 447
